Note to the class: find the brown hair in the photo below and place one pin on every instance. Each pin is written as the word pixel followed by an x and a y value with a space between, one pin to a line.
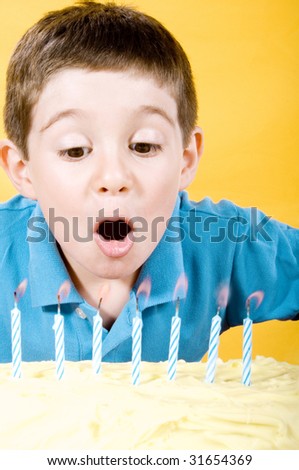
pixel 94 36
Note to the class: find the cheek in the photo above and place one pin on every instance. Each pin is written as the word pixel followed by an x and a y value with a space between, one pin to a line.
pixel 52 185
pixel 164 188
pixel 160 204
pixel 164 175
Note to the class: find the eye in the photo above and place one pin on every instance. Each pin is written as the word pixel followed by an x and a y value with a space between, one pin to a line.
pixel 144 148
pixel 75 153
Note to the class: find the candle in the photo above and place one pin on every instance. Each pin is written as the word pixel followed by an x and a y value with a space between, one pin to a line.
pixel 59 341
pixel 16 345
pixel 144 290
pixel 97 341
pixel 136 345
pixel 174 342
pixel 258 297
pixel 16 341
pixel 180 291
pixel 213 347
pixel 222 300
pixel 58 328
pixel 247 347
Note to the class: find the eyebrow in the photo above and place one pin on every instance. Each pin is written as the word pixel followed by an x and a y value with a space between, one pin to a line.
pixel 61 115
pixel 148 109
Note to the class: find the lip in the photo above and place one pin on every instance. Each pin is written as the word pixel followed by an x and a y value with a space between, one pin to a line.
pixel 113 248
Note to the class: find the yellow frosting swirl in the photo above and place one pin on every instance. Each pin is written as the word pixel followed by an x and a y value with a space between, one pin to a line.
pixel 84 411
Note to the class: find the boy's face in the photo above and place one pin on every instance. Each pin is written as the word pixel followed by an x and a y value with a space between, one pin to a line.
pixel 106 144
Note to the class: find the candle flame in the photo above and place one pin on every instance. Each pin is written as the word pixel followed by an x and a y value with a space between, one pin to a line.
pixel 144 289
pixel 63 291
pixel 181 287
pixel 222 297
pixel 258 296
pixel 20 290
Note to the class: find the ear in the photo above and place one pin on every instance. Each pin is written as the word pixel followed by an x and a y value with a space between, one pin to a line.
pixel 191 157
pixel 11 159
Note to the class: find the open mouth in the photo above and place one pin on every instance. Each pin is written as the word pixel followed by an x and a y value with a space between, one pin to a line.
pixel 112 237
pixel 114 229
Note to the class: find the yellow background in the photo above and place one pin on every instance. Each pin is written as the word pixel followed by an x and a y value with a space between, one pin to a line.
pixel 244 55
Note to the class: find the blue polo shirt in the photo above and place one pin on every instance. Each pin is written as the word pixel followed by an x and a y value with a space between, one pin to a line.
pixel 214 244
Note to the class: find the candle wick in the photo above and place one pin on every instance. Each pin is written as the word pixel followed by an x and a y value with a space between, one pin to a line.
pixel 99 305
pixel 177 307
pixel 137 307
pixel 248 308
pixel 15 299
pixel 218 310
pixel 58 307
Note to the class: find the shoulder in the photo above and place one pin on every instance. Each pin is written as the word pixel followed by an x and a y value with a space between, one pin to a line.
pixel 14 216
pixel 15 211
pixel 227 210
pixel 226 221
pixel 223 209
pixel 17 203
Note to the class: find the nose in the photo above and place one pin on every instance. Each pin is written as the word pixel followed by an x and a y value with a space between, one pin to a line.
pixel 115 175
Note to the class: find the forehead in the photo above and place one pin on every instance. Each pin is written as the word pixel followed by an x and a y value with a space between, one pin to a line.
pixel 104 91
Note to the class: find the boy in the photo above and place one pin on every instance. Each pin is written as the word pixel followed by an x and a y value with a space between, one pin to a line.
pixel 100 116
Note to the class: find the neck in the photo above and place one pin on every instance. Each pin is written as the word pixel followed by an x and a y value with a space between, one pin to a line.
pixel 115 293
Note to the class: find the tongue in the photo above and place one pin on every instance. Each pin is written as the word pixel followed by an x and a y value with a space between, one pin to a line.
pixel 114 248
pixel 114 230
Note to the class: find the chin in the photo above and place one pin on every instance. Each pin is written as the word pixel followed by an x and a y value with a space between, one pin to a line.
pixel 114 269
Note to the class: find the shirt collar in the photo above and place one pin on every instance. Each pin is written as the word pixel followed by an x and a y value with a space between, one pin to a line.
pixel 47 271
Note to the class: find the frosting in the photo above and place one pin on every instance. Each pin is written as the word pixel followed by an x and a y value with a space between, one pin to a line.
pixel 84 411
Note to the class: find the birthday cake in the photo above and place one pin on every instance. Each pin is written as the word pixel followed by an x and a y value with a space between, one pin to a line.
pixel 84 411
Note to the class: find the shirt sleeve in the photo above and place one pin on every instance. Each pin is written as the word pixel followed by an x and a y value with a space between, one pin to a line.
pixel 266 259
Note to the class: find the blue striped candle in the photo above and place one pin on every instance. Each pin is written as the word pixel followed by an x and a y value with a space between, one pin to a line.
pixel 97 341
pixel 213 347
pixel 58 328
pixel 174 343
pixel 136 346
pixel 247 347
pixel 59 342
pixel 16 341
pixel 16 346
